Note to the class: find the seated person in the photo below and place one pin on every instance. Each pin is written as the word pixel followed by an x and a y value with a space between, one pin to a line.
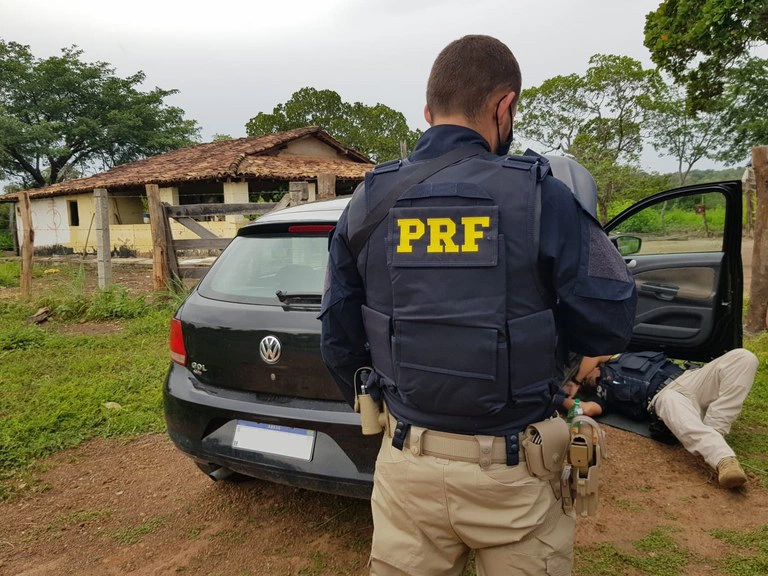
pixel 697 406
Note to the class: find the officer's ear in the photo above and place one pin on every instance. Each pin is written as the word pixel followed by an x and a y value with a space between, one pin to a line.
pixel 504 104
pixel 427 114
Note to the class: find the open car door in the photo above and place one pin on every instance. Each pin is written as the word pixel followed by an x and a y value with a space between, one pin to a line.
pixel 684 250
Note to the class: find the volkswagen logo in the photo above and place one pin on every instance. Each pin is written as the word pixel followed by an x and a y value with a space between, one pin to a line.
pixel 270 349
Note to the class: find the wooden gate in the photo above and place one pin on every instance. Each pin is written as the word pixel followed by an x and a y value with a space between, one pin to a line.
pixel 166 270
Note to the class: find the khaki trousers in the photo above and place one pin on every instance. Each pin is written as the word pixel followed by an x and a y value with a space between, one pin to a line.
pixel 700 406
pixel 428 513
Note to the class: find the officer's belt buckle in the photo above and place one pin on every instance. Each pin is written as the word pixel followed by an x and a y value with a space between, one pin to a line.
pixel 483 450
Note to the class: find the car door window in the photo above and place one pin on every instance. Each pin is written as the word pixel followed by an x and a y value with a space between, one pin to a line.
pixel 683 249
pixel 687 224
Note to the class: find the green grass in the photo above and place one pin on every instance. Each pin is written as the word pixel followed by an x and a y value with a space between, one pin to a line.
pixel 54 383
pixel 751 555
pixel 133 534
pixel 655 554
pixel 749 435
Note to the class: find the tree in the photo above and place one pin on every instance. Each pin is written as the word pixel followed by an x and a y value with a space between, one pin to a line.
pixel 61 116
pixel 682 135
pixel 598 119
pixel 744 115
pixel 712 34
pixel 375 131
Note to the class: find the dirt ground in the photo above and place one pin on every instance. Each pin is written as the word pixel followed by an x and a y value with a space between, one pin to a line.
pixel 140 507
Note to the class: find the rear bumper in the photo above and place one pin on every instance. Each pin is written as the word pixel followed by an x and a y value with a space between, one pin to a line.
pixel 201 423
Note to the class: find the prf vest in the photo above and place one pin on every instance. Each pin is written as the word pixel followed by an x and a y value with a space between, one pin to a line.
pixel 460 328
pixel 629 383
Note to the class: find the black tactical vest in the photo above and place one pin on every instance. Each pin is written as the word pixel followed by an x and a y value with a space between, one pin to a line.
pixel 629 383
pixel 461 331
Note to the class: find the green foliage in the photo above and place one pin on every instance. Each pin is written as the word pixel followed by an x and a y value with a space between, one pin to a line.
pixel 107 304
pixel 746 93
pixel 604 109
pixel 682 135
pixel 6 242
pixel 52 394
pixel 21 338
pixel 375 131
pixel 704 176
pixel 9 273
pixel 133 534
pixel 752 546
pixel 597 119
pixel 655 554
pixel 708 34
pixel 59 115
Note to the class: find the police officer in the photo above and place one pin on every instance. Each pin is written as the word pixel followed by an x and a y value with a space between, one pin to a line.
pixel 696 407
pixel 453 273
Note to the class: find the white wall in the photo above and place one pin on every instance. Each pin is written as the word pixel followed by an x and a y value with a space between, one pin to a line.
pixel 50 221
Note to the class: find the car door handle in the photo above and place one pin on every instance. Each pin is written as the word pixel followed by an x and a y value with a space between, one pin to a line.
pixel 631 263
pixel 661 291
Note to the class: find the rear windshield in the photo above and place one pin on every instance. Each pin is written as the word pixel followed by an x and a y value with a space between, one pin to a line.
pixel 254 268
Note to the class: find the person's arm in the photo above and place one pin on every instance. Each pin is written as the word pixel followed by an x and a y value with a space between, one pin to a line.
pixel 588 407
pixel 588 368
pixel 343 341
pixel 595 292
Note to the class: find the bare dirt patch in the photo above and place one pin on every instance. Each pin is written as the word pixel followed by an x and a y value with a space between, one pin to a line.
pixel 140 507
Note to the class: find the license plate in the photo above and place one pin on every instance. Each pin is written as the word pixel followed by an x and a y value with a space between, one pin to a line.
pixel 273 439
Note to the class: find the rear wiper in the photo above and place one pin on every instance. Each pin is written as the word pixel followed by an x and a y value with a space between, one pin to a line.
pixel 293 298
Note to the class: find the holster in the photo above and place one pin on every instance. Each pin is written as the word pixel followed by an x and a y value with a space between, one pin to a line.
pixel 372 420
pixel 585 453
pixel 545 444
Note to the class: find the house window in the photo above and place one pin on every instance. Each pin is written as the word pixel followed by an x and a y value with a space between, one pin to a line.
pixel 74 216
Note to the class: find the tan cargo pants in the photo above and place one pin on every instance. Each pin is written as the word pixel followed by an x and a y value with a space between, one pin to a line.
pixel 429 512
pixel 700 405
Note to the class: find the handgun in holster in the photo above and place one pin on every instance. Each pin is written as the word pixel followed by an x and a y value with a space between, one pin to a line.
pixel 585 453
pixel 372 419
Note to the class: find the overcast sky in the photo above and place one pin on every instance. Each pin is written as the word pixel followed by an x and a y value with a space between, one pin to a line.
pixel 232 59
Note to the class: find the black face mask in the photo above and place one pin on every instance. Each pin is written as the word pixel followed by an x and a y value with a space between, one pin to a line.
pixel 503 148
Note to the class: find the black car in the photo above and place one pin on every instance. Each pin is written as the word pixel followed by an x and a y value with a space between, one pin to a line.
pixel 247 391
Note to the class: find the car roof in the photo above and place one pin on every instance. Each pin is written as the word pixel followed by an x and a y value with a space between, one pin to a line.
pixel 321 211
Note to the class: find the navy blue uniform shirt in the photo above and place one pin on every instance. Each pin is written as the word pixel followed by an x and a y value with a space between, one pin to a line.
pixel 592 290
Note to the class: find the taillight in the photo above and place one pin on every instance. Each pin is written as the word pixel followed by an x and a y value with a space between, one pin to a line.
pixel 178 352
pixel 310 228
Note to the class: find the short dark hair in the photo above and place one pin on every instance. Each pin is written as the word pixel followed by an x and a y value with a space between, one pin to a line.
pixel 467 72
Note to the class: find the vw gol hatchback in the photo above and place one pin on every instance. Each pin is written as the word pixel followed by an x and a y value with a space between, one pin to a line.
pixel 247 391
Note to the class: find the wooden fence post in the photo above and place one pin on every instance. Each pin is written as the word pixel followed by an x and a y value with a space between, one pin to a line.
pixel 157 225
pixel 758 290
pixel 298 191
pixel 326 186
pixel 103 245
pixel 27 242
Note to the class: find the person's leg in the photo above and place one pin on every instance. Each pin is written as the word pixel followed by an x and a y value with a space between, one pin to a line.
pixel 682 416
pixel 512 520
pixel 412 535
pixel 735 375
pixel 719 387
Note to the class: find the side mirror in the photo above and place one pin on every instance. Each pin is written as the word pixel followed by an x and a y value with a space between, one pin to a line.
pixel 627 245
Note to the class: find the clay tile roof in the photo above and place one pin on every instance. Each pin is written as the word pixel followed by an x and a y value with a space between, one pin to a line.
pixel 243 157
pixel 300 168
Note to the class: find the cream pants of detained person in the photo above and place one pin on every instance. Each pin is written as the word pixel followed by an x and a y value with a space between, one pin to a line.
pixel 429 512
pixel 700 405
